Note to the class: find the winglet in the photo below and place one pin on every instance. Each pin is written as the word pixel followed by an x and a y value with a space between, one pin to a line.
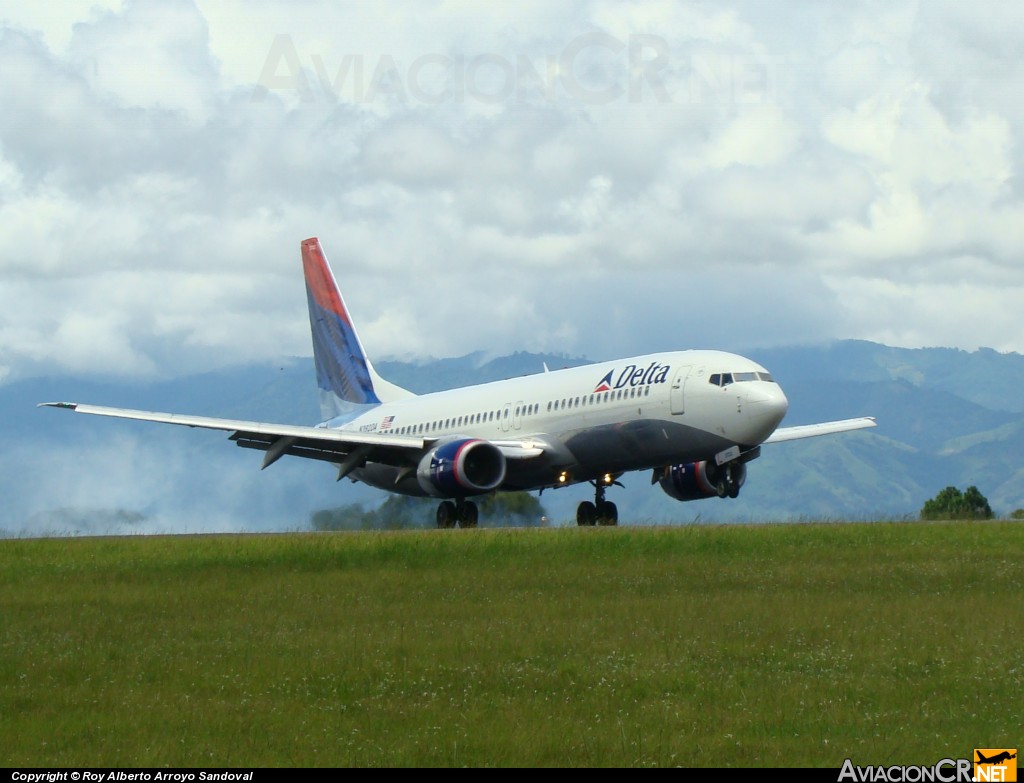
pixel 68 405
pixel 344 374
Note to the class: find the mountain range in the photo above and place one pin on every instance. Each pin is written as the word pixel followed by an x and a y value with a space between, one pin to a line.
pixel 946 417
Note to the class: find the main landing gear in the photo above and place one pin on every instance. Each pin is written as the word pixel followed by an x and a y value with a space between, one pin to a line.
pixel 600 512
pixel 462 512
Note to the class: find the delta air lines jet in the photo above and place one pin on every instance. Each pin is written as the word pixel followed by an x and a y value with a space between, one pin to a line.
pixel 692 418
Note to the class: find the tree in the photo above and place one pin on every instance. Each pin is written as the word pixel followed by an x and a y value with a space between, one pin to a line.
pixel 512 509
pixel 403 512
pixel 951 503
pixel 350 517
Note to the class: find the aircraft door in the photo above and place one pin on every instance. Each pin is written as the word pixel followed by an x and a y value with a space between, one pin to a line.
pixel 506 416
pixel 517 414
pixel 678 390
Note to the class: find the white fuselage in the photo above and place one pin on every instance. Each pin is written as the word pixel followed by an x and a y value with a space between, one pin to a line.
pixel 629 414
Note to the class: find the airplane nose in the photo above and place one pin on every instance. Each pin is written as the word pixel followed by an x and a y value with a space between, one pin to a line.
pixel 767 405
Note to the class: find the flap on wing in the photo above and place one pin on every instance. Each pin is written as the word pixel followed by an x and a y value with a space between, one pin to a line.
pixel 814 430
pixel 321 443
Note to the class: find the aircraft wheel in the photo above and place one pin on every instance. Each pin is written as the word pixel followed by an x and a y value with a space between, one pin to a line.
pixel 586 514
pixel 607 514
pixel 470 514
pixel 446 514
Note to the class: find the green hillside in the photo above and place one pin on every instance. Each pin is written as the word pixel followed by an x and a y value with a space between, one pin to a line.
pixel 944 418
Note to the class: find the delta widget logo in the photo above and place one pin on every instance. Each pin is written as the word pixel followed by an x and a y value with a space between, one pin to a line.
pixel 632 375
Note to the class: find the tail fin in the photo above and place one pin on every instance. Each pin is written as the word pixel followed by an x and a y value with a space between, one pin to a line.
pixel 344 375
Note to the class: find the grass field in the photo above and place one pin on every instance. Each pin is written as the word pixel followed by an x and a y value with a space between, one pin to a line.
pixel 778 645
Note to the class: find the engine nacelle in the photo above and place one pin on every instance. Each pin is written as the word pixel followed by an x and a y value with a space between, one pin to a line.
pixel 698 480
pixel 460 468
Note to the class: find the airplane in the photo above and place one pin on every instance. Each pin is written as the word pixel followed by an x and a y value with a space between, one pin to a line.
pixel 694 418
pixel 996 759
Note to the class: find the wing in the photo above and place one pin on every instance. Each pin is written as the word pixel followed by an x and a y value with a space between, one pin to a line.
pixel 279 439
pixel 349 449
pixel 814 430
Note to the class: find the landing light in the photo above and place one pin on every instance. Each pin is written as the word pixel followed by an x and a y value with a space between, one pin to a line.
pixel 607 479
pixel 563 477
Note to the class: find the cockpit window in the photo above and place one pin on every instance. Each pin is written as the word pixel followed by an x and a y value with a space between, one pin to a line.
pixel 726 378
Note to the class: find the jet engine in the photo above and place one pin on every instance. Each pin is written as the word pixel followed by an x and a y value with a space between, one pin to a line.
pixel 460 468
pixel 697 480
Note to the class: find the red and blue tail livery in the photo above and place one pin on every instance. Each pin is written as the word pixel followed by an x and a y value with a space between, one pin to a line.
pixel 342 370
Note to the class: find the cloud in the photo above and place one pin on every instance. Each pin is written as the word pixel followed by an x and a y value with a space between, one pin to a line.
pixel 589 178
pixel 149 55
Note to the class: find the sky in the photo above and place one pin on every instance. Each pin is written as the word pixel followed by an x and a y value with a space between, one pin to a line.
pixel 595 178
